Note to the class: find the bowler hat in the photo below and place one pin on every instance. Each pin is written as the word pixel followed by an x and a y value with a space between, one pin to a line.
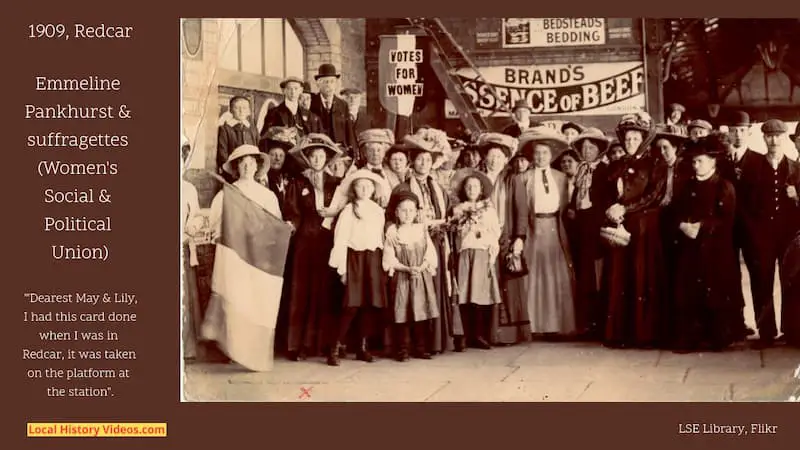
pixel 291 80
pixel 327 70
pixel 739 119
pixel 774 126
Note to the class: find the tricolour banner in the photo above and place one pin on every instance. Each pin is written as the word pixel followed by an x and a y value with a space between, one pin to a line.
pixel 247 281
pixel 398 73
pixel 563 90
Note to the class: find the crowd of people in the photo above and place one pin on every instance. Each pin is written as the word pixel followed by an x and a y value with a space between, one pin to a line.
pixel 422 244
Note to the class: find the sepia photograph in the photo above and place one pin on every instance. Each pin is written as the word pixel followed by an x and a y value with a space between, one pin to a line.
pixel 490 210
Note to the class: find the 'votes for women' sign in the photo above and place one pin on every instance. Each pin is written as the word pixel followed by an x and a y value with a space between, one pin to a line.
pixel 398 73
pixel 569 89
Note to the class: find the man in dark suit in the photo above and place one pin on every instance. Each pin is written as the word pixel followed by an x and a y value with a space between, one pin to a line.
pixel 770 222
pixel 738 168
pixel 290 113
pixel 521 114
pixel 332 110
pixel 357 120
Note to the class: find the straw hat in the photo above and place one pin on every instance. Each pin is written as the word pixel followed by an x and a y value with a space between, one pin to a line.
pixel 671 133
pixel 595 135
pixel 282 137
pixel 382 187
pixel 242 151
pixel 462 175
pixel 542 135
pixel 378 135
pixel 428 140
pixel 502 141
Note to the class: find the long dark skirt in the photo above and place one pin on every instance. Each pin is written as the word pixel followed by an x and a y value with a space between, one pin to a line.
pixel 590 309
pixel 192 315
pixel 449 323
pixel 282 325
pixel 315 295
pixel 633 283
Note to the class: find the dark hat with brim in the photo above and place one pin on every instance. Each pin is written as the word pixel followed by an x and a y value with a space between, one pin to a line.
pixel 671 133
pixel 281 137
pixel 400 193
pixel 556 163
pixel 573 125
pixel 773 127
pixel 641 122
pixel 714 145
pixel 291 80
pixel 312 142
pixel 739 119
pixel 462 175
pixel 327 70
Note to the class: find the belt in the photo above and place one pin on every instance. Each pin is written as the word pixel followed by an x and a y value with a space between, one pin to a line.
pixel 546 215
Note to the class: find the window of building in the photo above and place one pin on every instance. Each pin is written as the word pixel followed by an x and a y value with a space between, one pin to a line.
pixel 268 47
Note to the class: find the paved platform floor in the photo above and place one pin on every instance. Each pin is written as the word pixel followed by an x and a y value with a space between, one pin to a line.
pixel 539 371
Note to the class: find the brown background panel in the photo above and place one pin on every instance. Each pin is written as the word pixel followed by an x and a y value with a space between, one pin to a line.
pixel 146 256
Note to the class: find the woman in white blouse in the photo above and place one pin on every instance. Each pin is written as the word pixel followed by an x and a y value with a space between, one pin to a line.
pixel 550 279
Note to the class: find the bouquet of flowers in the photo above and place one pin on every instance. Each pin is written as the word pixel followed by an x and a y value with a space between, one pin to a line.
pixel 466 216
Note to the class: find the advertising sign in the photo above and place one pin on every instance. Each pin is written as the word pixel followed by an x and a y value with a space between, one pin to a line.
pixel 568 89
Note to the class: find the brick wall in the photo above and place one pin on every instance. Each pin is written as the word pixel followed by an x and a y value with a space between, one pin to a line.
pixel 337 41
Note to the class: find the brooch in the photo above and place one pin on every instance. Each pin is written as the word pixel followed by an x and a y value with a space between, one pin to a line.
pixel 630 170
pixel 305 192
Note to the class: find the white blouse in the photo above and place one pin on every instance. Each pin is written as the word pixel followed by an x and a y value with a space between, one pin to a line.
pixel 252 190
pixel 361 234
pixel 408 235
pixel 189 203
pixel 547 202
pixel 484 234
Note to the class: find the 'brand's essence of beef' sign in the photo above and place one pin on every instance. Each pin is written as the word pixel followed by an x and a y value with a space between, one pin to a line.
pixel 571 89
pixel 398 73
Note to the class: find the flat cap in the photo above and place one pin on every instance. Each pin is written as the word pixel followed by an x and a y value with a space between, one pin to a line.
pixel 700 123
pixel 380 135
pixel 291 80
pixel 677 107
pixel 350 91
pixel 774 126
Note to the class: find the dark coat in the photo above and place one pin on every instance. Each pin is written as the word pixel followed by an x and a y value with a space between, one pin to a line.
pixel 512 130
pixel 706 310
pixel 280 116
pixel 334 122
pixel 363 122
pixel 228 138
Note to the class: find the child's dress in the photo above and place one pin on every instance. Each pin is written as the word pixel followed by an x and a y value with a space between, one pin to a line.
pixel 413 296
pixel 477 244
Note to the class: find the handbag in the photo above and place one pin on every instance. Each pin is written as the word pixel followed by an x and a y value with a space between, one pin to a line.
pixel 515 266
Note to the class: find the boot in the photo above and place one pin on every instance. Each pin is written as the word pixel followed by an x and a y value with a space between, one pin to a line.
pixel 459 343
pixel 333 355
pixel 363 354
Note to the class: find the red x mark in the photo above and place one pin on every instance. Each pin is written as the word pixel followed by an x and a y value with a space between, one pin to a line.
pixel 305 393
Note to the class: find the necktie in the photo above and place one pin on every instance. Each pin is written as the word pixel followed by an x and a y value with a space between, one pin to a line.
pixel 377 172
pixel 545 182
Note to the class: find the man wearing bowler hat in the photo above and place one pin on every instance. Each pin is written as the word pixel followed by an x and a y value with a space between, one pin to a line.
pixel 290 113
pixel 771 222
pixel 357 119
pixel 521 114
pixel 332 110
pixel 738 167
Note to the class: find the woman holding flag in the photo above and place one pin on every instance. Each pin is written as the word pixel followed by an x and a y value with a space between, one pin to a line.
pixel 252 241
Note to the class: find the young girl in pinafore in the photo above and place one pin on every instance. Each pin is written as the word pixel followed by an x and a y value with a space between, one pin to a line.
pixel 410 262
pixel 357 256
pixel 477 244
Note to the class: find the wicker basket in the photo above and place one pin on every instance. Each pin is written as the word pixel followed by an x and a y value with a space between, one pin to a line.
pixel 616 236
